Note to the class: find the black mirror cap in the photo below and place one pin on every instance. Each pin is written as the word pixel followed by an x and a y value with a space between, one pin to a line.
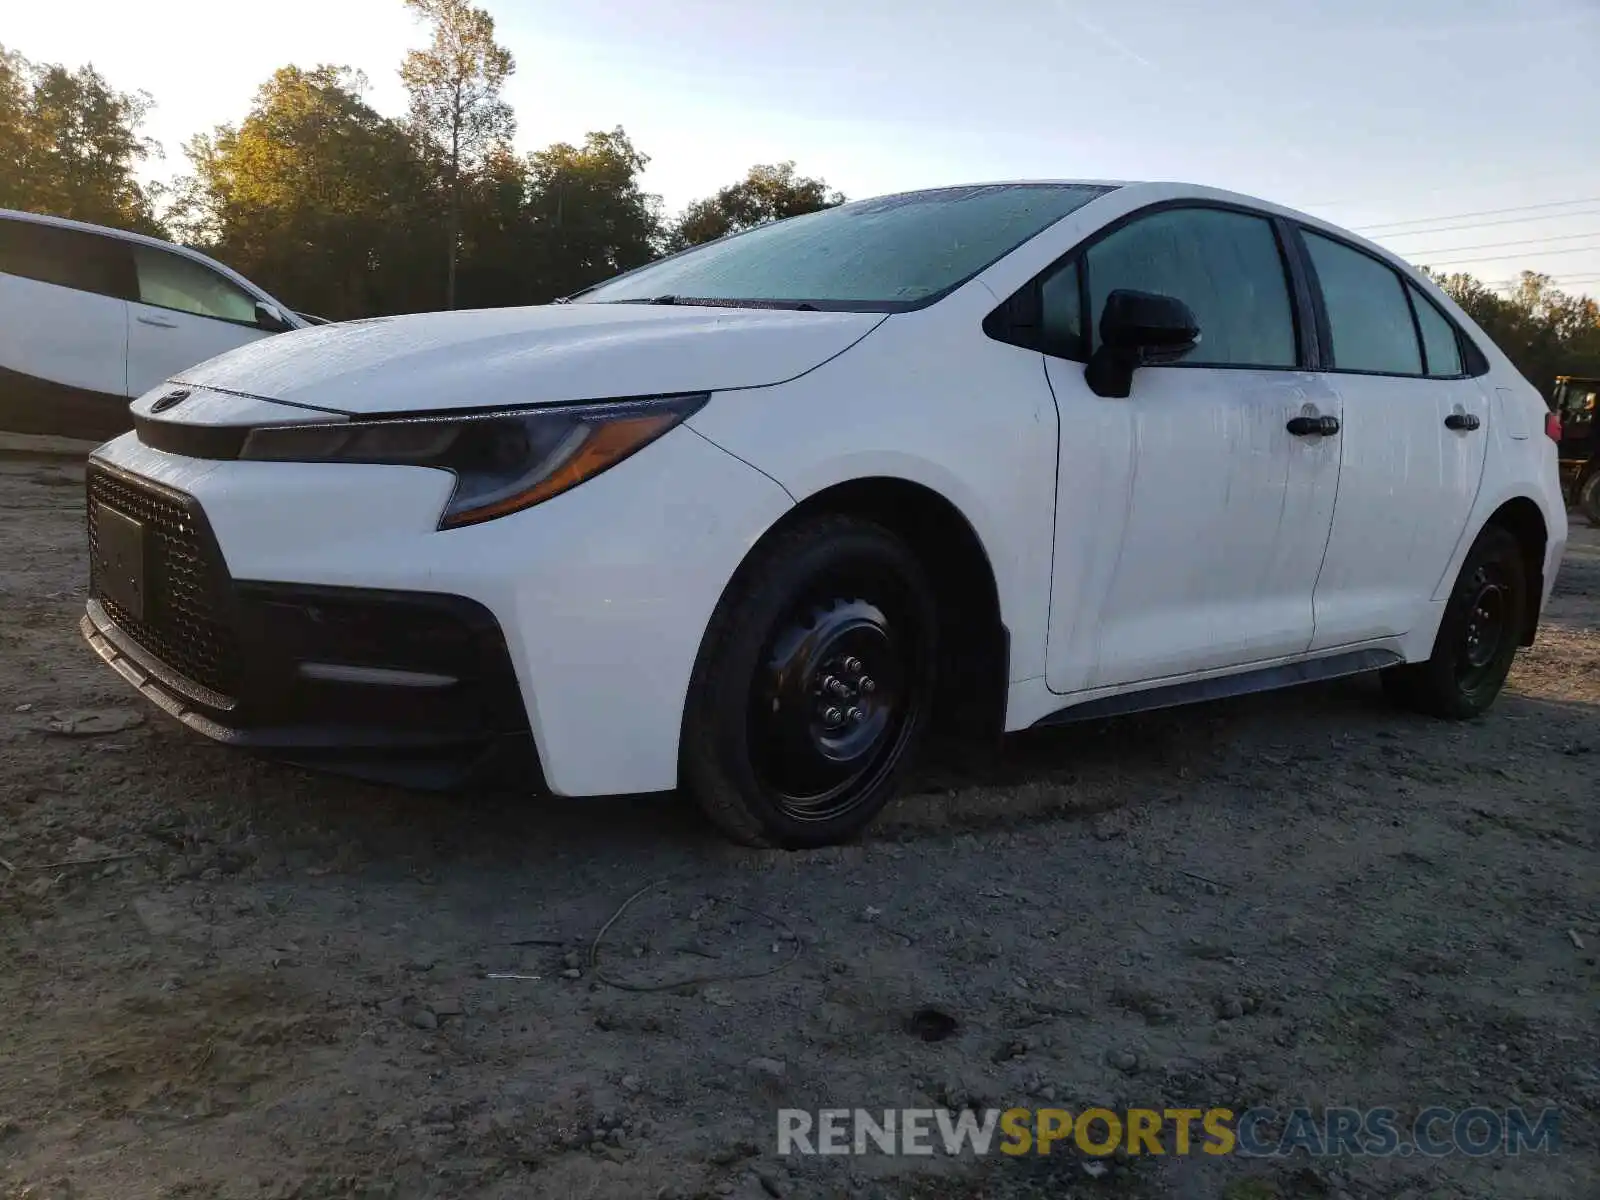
pixel 1138 329
pixel 1148 323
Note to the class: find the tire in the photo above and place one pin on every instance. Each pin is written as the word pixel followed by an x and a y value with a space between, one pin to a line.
pixel 1477 637
pixel 1589 497
pixel 813 686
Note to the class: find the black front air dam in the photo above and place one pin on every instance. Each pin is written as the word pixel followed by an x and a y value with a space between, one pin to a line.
pixel 404 688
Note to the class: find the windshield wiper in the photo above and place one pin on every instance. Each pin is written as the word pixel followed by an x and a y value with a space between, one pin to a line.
pixel 717 302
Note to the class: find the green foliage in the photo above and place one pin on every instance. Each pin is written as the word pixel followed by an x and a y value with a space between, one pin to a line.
pixel 345 212
pixel 315 196
pixel 1543 331
pixel 766 193
pixel 457 116
pixel 592 218
pixel 69 145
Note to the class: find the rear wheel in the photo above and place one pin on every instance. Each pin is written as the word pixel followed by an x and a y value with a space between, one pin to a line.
pixel 1477 638
pixel 813 685
pixel 1589 497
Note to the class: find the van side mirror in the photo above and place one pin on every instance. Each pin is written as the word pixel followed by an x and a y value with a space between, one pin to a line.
pixel 269 318
pixel 1138 329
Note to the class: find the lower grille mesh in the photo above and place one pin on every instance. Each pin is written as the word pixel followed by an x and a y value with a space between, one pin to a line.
pixel 183 625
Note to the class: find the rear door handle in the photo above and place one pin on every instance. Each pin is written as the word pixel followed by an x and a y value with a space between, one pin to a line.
pixel 158 322
pixel 1313 426
pixel 1462 420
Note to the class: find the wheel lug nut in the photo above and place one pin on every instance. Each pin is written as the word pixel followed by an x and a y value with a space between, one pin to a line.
pixel 832 716
pixel 856 715
pixel 867 684
pixel 836 687
pixel 852 665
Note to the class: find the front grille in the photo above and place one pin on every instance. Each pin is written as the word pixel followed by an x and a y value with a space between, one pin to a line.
pixel 183 625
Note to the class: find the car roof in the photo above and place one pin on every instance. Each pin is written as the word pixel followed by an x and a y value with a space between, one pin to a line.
pixel 1173 187
pixel 1155 190
pixel 140 239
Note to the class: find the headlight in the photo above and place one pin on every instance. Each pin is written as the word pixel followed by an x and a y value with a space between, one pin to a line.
pixel 503 461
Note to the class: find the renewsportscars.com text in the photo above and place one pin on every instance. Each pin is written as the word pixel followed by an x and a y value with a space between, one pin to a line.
pixel 1255 1132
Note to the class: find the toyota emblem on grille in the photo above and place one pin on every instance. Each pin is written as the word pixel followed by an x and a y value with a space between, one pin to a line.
pixel 170 400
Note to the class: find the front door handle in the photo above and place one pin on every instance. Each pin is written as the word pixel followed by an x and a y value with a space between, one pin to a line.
pixel 1463 421
pixel 158 322
pixel 1313 426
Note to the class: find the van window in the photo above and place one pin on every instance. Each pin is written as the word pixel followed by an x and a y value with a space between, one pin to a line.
pixel 69 258
pixel 1368 318
pixel 171 281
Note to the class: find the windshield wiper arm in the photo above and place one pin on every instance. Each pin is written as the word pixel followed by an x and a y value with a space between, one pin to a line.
pixel 716 302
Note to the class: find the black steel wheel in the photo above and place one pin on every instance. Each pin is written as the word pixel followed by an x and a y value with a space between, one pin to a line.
pixel 1478 635
pixel 831 707
pixel 813 686
pixel 1487 626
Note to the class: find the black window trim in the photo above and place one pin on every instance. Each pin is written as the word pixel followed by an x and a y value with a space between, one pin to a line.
pixel 1001 325
pixel 138 298
pixel 1473 362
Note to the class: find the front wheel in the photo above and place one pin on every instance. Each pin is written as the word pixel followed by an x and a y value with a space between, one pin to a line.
pixel 813 685
pixel 1477 637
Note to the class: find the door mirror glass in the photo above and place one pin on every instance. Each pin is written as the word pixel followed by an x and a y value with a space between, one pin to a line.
pixel 1138 329
pixel 270 319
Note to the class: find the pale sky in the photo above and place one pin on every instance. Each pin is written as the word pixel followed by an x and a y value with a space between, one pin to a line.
pixel 1368 112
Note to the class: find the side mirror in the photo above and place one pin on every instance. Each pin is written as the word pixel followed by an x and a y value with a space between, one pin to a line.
pixel 1138 329
pixel 269 318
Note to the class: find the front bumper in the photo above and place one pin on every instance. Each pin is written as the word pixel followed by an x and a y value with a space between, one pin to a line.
pixel 402 687
pixel 602 594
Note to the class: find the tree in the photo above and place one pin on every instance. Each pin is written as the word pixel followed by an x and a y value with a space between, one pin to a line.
pixel 766 193
pixel 14 95
pixel 1543 331
pixel 591 217
pixel 315 196
pixel 456 110
pixel 70 144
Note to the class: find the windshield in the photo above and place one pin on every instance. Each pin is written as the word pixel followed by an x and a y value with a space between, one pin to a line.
pixel 891 253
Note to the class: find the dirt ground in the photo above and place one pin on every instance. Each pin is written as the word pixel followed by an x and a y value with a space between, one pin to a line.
pixel 227 978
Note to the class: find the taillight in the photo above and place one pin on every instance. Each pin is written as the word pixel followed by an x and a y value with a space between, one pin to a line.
pixel 1552 426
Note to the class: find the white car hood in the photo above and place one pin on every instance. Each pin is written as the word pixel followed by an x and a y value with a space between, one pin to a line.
pixel 520 356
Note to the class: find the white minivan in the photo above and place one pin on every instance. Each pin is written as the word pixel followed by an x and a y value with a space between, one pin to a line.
pixel 91 317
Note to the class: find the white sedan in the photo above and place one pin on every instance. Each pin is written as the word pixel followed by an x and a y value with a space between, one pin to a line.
pixel 757 519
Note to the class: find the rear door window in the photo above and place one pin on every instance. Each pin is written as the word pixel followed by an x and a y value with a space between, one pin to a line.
pixel 1369 320
pixel 69 258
